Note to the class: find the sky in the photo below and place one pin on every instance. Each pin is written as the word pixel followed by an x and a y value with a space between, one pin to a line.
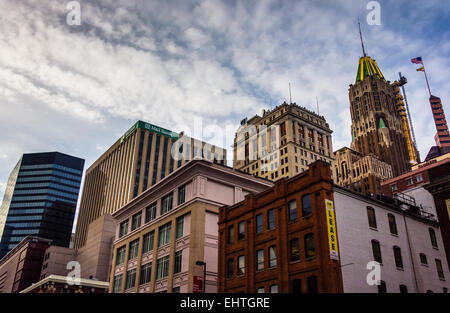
pixel 77 88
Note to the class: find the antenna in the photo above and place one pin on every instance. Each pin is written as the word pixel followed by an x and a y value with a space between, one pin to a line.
pixel 317 103
pixel 290 95
pixel 362 41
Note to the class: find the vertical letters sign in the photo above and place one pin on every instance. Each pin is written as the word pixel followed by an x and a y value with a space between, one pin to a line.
pixel 331 226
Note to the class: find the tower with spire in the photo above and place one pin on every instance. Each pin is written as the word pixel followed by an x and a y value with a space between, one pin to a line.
pixel 379 146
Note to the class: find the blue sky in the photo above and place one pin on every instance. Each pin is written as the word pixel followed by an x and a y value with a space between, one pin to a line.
pixel 77 89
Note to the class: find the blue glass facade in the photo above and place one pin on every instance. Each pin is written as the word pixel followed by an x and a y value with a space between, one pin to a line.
pixel 41 199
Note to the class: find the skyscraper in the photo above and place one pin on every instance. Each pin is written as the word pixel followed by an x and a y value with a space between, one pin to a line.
pixel 134 163
pixel 40 199
pixel 282 142
pixel 381 145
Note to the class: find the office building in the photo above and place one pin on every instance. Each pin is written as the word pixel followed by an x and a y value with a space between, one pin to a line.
pixel 282 142
pixel 40 199
pixel 164 233
pixel 283 239
pixel 134 163
pixel 380 129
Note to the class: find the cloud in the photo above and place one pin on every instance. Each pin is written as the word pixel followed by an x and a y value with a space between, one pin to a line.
pixel 76 89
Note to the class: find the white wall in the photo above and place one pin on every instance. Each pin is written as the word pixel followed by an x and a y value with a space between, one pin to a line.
pixel 355 235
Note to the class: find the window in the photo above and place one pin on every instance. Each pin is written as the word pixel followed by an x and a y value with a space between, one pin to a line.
pixel 176 289
pixel 260 260
pixel 178 260
pixel 123 228
pixel 272 257
pixel 306 205
pixel 120 257
pixel 117 285
pixel 230 268
pixel 260 290
pixel 231 234
pixel 392 224
pixel 376 250
pixel 403 289
pixel 311 281
pixel 310 251
pixel 241 230
pixel 296 286
pixel 134 247
pixel 393 187
pixel 295 250
pixel 423 259
pixel 164 234
pixel 419 178
pixel 433 237
pixel 150 212
pixel 146 272
pixel 181 194
pixel 274 289
pixel 371 217
pixel 439 269
pixel 166 203
pixel 409 181
pixel 162 267
pixel 259 223
pixel 271 219
pixel 131 279
pixel 136 221
pixel 398 257
pixel 292 205
pixel 180 226
pixel 241 265
pixel 382 287
pixel 148 241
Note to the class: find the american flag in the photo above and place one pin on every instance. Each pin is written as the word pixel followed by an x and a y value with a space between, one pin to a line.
pixel 417 60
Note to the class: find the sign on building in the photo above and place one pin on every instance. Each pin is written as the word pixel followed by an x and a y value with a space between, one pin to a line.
pixel 331 227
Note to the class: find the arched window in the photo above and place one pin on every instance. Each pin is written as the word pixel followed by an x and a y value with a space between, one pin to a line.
pixel 423 259
pixel 398 257
pixel 392 224
pixel 403 289
pixel 376 250
pixel 433 237
pixel 371 217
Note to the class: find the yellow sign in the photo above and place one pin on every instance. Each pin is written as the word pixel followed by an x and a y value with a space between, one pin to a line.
pixel 331 226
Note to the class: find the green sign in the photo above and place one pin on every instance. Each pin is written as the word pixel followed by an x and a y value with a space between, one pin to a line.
pixel 150 127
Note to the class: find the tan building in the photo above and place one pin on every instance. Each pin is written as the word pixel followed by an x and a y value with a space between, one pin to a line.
pixel 166 230
pixel 134 163
pixel 282 142
pixel 94 257
pixel 360 173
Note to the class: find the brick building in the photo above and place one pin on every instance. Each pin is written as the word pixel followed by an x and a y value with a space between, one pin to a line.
pixel 277 240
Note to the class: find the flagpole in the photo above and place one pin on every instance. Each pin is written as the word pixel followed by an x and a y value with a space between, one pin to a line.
pixel 426 78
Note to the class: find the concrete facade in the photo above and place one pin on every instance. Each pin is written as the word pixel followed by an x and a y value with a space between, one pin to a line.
pixel 94 258
pixel 193 229
pixel 412 237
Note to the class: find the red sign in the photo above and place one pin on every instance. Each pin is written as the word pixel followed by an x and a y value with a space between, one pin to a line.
pixel 198 284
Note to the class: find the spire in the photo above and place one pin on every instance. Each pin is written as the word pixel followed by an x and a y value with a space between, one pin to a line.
pixel 362 42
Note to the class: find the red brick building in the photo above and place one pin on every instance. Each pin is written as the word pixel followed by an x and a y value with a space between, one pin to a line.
pixel 277 240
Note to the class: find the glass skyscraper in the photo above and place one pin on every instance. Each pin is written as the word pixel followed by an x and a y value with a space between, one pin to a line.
pixel 40 199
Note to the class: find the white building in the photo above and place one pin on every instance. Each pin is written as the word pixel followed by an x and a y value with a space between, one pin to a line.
pixel 408 244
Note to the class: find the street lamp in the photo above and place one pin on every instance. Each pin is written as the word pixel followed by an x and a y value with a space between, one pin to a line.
pixel 201 263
